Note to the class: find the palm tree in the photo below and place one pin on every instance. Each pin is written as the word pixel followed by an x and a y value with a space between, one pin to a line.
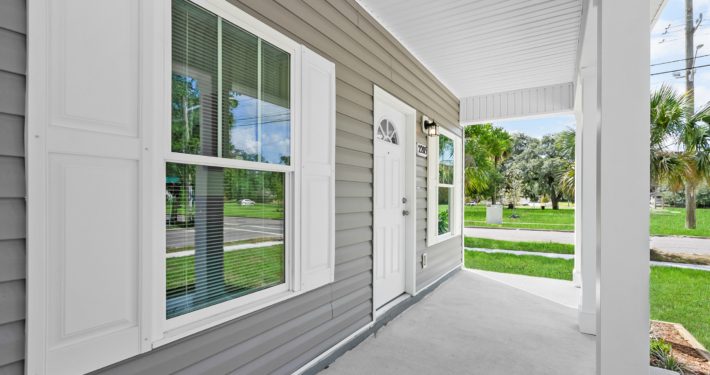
pixel 680 146
pixel 486 149
pixel 566 140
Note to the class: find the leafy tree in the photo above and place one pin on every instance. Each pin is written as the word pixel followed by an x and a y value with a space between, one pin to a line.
pixel 542 164
pixel 486 149
pixel 680 146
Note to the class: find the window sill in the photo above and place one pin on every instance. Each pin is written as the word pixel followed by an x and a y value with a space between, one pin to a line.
pixel 440 238
pixel 201 320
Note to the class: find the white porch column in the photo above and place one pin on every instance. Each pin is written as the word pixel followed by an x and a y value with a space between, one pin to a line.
pixel 578 115
pixel 622 187
pixel 587 170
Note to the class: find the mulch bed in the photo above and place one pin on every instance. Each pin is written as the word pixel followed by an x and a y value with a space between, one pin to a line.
pixel 695 362
pixel 662 256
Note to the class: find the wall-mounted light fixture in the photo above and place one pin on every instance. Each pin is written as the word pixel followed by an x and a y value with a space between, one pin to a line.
pixel 429 127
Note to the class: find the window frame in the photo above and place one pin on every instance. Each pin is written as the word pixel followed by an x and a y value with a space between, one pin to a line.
pixel 433 184
pixel 166 330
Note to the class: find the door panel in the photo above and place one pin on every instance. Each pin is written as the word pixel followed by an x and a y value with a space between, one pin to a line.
pixel 389 194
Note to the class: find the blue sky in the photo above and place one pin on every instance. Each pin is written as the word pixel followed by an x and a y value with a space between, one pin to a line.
pixel 665 46
pixel 538 127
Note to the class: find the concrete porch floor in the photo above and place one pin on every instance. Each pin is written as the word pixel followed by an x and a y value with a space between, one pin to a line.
pixel 473 324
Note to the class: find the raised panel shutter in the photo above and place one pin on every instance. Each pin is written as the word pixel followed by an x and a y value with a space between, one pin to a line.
pixel 317 177
pixel 86 134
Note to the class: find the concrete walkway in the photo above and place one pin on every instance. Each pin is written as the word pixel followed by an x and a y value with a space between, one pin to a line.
pixel 684 245
pixel 476 325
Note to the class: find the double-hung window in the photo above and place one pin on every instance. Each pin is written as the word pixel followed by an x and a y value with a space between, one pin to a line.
pixel 234 167
pixel 444 187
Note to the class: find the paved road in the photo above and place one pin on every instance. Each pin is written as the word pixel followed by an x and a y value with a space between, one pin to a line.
pixel 235 229
pixel 684 245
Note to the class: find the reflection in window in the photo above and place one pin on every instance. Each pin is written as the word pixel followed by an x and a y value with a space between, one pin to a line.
pixel 387 132
pixel 255 90
pixel 224 234
pixel 446 160
pixel 444 198
pixel 194 81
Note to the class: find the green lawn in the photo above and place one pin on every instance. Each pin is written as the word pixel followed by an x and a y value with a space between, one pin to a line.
pixel 540 247
pixel 677 295
pixel 257 210
pixel 529 265
pixel 529 218
pixel 667 222
pixel 243 269
pixel 671 222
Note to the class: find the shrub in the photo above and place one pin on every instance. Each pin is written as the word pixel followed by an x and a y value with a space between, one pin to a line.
pixel 662 356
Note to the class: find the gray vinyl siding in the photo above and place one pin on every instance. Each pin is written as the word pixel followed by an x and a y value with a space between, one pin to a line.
pixel 443 256
pixel 13 57
pixel 283 337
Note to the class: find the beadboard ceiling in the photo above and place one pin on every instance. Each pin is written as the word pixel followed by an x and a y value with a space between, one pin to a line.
pixel 478 47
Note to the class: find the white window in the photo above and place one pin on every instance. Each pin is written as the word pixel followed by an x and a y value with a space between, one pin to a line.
pixel 189 184
pixel 444 216
pixel 236 177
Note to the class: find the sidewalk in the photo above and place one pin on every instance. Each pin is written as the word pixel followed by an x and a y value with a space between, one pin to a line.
pixel 684 245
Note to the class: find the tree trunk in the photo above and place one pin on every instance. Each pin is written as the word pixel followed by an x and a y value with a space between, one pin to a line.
pixel 689 206
pixel 555 202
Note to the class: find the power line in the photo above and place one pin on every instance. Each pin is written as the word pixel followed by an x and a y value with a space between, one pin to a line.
pixel 672 61
pixel 679 70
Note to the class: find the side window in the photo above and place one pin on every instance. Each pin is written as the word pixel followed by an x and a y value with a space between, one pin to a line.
pixel 444 187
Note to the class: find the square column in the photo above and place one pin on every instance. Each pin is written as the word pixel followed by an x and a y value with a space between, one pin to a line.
pixel 622 186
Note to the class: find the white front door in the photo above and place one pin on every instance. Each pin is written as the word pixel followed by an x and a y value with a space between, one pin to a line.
pixel 389 203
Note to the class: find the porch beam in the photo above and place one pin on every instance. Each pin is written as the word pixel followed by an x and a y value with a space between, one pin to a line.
pixel 622 187
pixel 507 105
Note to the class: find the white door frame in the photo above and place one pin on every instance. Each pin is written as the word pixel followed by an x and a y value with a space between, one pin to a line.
pixel 410 189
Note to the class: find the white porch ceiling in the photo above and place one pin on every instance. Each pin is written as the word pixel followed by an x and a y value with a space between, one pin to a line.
pixel 478 47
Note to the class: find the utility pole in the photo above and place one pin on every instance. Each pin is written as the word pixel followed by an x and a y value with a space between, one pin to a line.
pixel 690 52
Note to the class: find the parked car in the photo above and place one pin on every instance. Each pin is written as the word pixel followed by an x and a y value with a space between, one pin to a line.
pixel 247 202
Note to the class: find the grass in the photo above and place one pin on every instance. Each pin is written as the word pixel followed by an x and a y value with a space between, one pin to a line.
pixel 682 296
pixel 666 222
pixel 671 222
pixel 552 268
pixel 540 247
pixel 529 218
pixel 676 294
pixel 257 210
pixel 243 269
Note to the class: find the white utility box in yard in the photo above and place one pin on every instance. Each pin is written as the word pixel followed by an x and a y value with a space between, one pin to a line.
pixel 494 214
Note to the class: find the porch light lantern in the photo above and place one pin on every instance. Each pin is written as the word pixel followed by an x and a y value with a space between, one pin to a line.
pixel 429 127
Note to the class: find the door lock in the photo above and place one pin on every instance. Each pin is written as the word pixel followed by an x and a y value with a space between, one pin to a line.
pixel 405 213
pixel 404 200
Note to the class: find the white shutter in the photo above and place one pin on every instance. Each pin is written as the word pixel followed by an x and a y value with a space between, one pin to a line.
pixel 87 92
pixel 317 173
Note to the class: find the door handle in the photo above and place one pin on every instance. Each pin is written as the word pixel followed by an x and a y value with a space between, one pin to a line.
pixel 405 213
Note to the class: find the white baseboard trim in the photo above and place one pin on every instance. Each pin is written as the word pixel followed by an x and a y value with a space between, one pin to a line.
pixel 587 322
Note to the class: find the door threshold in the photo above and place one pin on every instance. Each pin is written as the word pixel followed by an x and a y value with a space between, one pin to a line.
pixel 389 305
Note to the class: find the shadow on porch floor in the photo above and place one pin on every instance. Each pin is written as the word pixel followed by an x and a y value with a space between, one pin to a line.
pixel 475 325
